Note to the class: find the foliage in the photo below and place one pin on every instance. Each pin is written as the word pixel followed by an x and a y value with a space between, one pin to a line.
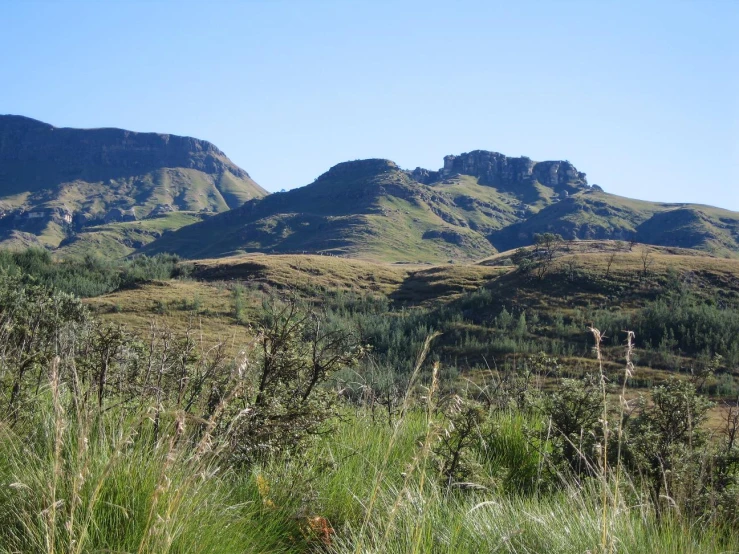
pixel 665 440
pixel 284 402
pixel 36 325
pixel 89 275
pixel 575 409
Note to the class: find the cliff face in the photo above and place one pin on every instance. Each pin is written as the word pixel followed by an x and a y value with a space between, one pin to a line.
pixel 38 152
pixel 497 170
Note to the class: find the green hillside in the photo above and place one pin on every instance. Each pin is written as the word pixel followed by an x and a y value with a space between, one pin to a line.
pixel 593 214
pixel 58 183
pixel 477 204
pixel 368 208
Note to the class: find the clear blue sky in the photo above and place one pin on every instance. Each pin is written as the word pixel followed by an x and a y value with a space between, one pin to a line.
pixel 643 96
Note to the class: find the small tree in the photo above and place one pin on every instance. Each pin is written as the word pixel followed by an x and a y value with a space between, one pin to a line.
pixel 609 262
pixel 547 247
pixel 646 260
pixel 571 269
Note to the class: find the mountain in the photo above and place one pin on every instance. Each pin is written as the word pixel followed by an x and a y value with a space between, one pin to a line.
pixel 117 192
pixel 595 214
pixel 374 209
pixel 478 203
pixel 58 185
pixel 368 208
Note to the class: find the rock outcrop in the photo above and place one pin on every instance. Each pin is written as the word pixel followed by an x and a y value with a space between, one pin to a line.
pixel 497 170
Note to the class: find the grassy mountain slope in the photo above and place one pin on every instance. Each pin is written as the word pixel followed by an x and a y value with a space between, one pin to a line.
pixel 56 182
pixel 478 203
pixel 368 208
pixel 593 214
pixel 119 239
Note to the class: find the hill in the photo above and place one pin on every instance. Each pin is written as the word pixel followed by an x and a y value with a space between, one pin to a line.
pixel 374 209
pixel 486 311
pixel 594 214
pixel 477 204
pixel 59 183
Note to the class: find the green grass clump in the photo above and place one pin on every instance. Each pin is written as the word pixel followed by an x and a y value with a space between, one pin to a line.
pixel 107 485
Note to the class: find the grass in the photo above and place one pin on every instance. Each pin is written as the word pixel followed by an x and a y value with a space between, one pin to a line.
pixel 410 282
pixel 206 310
pixel 108 487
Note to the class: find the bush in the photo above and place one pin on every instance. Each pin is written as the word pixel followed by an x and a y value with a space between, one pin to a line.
pixel 89 276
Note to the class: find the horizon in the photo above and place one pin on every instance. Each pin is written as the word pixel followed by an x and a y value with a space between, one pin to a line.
pixel 637 97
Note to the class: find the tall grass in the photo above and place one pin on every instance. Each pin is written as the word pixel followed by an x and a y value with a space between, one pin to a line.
pixel 76 483
pixel 104 485
pixel 414 512
pixel 79 478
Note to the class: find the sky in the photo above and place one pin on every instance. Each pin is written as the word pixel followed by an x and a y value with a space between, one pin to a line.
pixel 642 96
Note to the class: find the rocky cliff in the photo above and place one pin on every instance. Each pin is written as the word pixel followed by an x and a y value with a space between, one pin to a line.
pixel 43 154
pixel 504 172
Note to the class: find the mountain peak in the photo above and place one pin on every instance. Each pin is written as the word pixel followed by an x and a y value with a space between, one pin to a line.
pixel 498 170
pixel 360 168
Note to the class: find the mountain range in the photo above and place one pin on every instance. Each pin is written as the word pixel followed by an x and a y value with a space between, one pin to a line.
pixel 118 192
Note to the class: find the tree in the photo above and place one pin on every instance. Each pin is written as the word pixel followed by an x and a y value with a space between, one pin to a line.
pixel 571 268
pixel 609 262
pixel 547 246
pixel 646 260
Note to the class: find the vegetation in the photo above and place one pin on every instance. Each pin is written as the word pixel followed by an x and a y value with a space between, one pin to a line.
pixel 344 422
pixel 90 275
pixel 374 210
